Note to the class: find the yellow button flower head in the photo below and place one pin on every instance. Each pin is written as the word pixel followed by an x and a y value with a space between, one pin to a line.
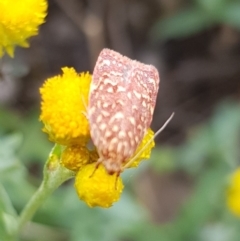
pixel 98 188
pixel 63 107
pixel 19 20
pixel 233 195
pixel 74 157
pixel 144 149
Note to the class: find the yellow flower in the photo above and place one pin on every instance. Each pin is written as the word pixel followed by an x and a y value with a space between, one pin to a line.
pixel 233 195
pixel 74 157
pixel 63 107
pixel 19 20
pixel 97 187
pixel 145 154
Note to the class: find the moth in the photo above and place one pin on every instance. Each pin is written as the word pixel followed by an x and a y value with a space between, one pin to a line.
pixel 121 103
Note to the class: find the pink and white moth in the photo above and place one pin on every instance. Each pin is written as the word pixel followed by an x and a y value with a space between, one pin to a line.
pixel 122 99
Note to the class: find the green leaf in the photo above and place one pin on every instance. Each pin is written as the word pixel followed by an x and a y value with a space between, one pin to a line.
pixel 225 128
pixel 86 223
pixel 217 231
pixel 8 121
pixel 231 14
pixel 182 24
pixel 215 143
pixel 109 224
pixel 35 144
pixel 147 231
pixel 214 7
pixel 10 223
pixel 4 235
pixel 163 159
pixel 39 232
pixel 8 215
pixel 193 155
pixel 8 147
pixel 18 187
pixel 5 202
pixel 205 203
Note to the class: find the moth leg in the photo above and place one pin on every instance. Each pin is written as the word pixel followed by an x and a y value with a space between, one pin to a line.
pixel 100 160
pixel 117 176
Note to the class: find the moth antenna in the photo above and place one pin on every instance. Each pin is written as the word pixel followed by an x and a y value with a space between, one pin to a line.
pixel 85 106
pixel 146 145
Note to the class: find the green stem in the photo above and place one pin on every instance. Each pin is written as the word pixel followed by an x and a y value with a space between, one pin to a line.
pixel 32 206
pixel 54 176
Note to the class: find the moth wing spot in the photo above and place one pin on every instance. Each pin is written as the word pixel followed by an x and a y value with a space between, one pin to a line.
pixel 114 105
pixel 132 142
pixel 115 128
pixel 106 62
pixel 130 134
pixel 139 127
pixel 121 102
pixel 112 144
pixel 101 87
pixel 144 104
pixel 129 95
pixel 122 135
pixel 99 119
pixel 91 111
pixel 106 104
pixel 118 115
pixel 134 107
pixel 99 104
pixel 103 126
pixel 110 90
pixel 128 150
pixel 119 147
pixel 105 113
pixel 108 133
pixel 132 120
pixel 121 89
pixel 138 95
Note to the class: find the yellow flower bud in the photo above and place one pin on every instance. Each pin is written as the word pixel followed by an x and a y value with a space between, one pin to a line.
pixel 97 187
pixel 147 151
pixel 233 194
pixel 63 107
pixel 74 157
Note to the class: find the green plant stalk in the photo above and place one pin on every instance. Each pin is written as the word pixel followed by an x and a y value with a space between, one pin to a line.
pixel 54 175
pixel 32 206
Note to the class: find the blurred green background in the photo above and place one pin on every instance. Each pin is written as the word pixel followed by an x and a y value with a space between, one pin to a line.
pixel 180 194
